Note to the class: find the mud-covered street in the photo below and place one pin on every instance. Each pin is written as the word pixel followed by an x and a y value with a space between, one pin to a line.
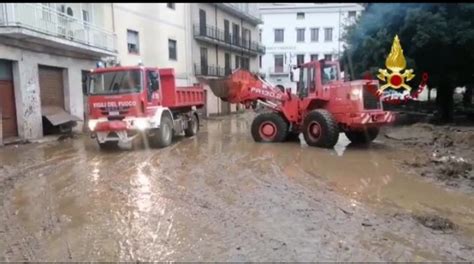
pixel 219 196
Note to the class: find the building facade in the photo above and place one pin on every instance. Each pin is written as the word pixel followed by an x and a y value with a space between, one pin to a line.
pixel 224 38
pixel 155 34
pixel 301 32
pixel 45 52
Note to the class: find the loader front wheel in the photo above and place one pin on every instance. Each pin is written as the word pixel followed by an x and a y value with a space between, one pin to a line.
pixel 320 129
pixel 363 136
pixel 269 127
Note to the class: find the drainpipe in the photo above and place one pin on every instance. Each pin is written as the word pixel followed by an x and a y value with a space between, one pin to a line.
pixel 217 49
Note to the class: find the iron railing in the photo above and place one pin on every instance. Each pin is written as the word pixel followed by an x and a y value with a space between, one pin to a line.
pixel 219 35
pixel 44 19
pixel 209 70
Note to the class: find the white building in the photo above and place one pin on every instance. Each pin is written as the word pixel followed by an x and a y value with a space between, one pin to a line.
pixel 45 52
pixel 295 33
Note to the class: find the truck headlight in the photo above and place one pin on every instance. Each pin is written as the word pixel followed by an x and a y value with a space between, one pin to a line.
pixel 355 94
pixel 92 124
pixel 141 124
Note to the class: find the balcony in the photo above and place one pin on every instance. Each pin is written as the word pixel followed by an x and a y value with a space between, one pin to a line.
pixel 209 70
pixel 59 32
pixel 243 11
pixel 278 71
pixel 217 36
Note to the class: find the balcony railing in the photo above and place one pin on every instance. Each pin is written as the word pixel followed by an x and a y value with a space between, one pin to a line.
pixel 46 20
pixel 209 70
pixel 230 39
pixel 215 71
pixel 279 70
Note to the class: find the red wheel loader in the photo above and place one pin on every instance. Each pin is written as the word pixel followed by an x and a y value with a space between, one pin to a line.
pixel 323 107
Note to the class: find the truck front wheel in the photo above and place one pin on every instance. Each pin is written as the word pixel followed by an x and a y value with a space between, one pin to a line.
pixel 193 126
pixel 163 135
pixel 320 129
pixel 269 127
pixel 362 136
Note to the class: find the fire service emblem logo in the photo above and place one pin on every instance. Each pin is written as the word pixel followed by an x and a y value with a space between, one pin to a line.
pixel 396 89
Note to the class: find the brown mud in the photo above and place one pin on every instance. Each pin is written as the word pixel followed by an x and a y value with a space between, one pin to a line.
pixel 219 196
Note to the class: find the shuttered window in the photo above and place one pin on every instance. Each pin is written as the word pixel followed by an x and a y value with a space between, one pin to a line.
pixel 133 42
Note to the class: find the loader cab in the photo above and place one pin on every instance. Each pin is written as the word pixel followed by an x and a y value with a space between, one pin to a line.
pixel 315 77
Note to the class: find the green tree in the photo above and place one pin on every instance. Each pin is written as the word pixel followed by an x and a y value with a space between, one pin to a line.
pixel 436 38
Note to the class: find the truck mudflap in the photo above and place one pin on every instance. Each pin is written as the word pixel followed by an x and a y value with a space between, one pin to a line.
pixel 371 119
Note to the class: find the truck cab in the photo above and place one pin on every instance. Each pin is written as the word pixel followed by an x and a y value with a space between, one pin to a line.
pixel 125 102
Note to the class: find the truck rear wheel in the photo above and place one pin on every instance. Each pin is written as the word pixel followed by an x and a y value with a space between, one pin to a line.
pixel 193 126
pixel 362 136
pixel 320 129
pixel 163 135
pixel 269 127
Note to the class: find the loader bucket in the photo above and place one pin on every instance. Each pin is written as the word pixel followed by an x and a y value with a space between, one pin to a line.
pixel 219 87
pixel 229 87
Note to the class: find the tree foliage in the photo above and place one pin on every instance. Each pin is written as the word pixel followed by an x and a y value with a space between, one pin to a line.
pixel 436 38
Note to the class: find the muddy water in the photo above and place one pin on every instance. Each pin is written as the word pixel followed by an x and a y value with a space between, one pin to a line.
pixel 220 196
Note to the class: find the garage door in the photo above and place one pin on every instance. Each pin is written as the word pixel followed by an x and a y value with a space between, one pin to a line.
pixel 7 101
pixel 51 86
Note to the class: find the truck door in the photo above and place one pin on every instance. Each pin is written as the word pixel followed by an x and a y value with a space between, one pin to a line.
pixel 153 87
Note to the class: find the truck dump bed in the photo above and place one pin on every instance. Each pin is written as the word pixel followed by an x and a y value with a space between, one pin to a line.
pixel 177 97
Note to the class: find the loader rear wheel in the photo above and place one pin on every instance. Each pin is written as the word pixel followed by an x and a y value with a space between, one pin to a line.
pixel 363 136
pixel 193 126
pixel 269 127
pixel 320 129
pixel 163 135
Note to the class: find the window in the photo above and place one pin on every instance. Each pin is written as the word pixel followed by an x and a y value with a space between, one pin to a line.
pixel 300 34
pixel 237 61
pixel 314 57
pixel 116 82
pixel 46 14
pixel 279 35
pixel 170 5
pixel 328 34
pixel 352 14
pixel 172 49
pixel 299 59
pixel 260 61
pixel 300 15
pixel 85 16
pixel 315 34
pixel 132 41
pixel 69 12
pixel 278 63
pixel 328 57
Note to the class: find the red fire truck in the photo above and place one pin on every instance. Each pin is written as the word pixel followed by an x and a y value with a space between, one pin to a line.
pixel 125 102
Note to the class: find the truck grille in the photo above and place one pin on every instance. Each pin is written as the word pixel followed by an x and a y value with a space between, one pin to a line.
pixel 370 100
pixel 122 110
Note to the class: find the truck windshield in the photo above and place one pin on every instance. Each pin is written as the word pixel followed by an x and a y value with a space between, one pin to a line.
pixel 329 73
pixel 117 82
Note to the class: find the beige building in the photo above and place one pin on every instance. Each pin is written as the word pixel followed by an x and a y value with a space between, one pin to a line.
pixel 154 34
pixel 199 40
pixel 225 37
pixel 45 51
